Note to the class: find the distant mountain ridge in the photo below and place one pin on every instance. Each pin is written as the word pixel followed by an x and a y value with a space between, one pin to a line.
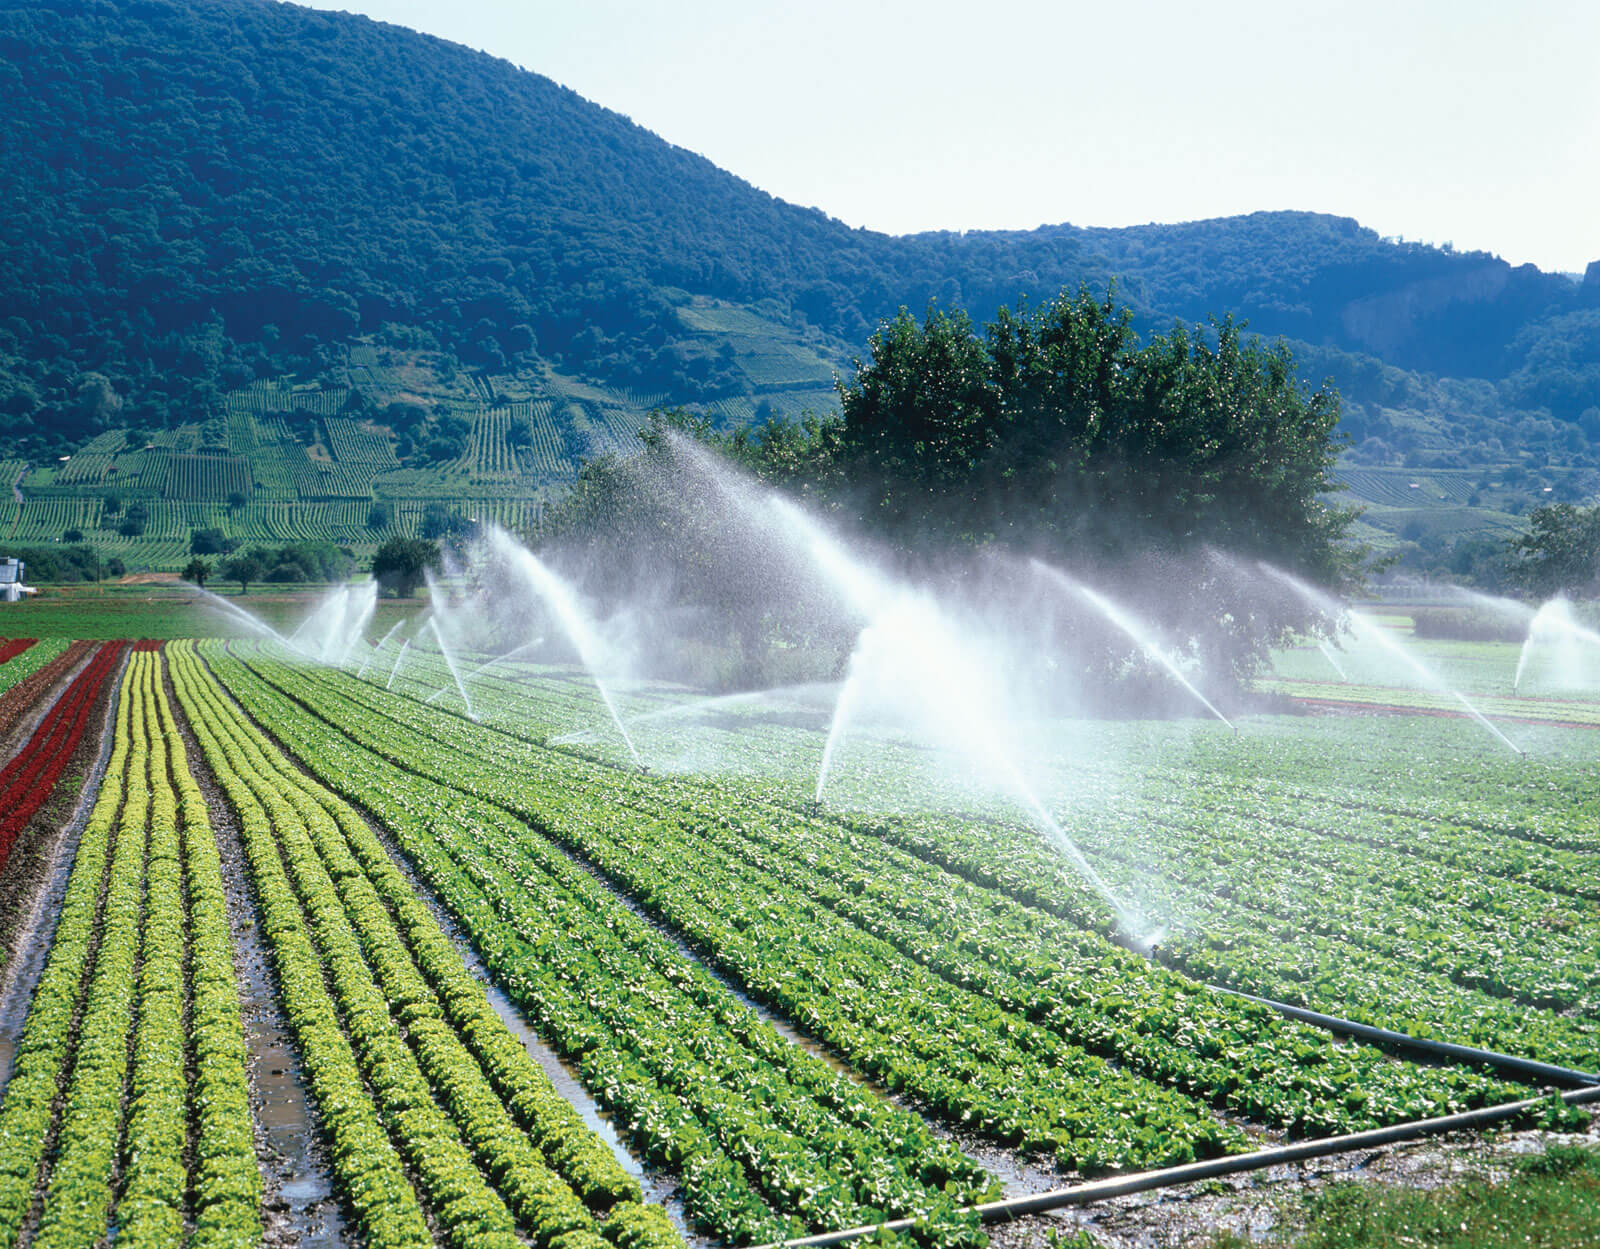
pixel 202 192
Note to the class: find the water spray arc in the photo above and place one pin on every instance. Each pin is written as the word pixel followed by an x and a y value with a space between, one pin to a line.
pixel 378 649
pixel 1554 622
pixel 398 660
pixel 336 624
pixel 1327 653
pixel 1133 627
pixel 843 711
pixel 500 659
pixel 450 662
pixel 698 707
pixel 910 652
pixel 562 603
pixel 250 621
pixel 1370 630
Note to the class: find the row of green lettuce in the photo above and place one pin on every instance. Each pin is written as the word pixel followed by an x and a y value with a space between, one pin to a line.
pixel 141 943
pixel 766 1139
pixel 431 1103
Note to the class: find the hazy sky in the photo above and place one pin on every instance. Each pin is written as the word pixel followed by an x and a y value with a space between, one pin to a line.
pixel 1470 121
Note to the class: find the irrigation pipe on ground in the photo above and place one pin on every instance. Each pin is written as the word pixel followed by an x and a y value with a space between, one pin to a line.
pixel 1528 1068
pixel 1144 1181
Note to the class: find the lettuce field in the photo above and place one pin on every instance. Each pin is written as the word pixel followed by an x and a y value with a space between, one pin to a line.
pixel 528 993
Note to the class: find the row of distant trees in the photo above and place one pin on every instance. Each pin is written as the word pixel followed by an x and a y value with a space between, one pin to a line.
pixel 399 565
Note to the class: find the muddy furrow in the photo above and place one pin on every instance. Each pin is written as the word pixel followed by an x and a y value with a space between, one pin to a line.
pixel 300 1206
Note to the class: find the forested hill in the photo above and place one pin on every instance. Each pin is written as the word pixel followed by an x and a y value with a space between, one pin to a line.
pixel 202 192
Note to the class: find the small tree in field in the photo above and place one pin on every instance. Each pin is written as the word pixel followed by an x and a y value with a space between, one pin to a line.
pixel 197 570
pixel 400 563
pixel 244 569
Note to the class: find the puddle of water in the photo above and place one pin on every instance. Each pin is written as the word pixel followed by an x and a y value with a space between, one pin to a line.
pixel 293 1162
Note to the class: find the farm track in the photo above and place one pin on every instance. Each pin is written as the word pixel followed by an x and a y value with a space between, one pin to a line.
pixel 685 917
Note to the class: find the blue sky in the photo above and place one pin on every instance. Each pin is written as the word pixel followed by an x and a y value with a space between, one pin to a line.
pixel 1469 122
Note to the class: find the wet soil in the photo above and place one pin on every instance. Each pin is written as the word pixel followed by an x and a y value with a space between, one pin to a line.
pixel 299 1204
pixel 1270 1206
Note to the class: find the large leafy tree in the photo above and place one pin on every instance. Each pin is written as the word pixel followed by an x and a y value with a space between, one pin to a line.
pixel 1053 432
pixel 1560 553
pixel 400 564
pixel 244 569
pixel 1056 428
pixel 1160 472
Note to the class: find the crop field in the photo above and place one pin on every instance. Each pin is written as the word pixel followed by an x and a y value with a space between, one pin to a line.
pixel 207 477
pixel 356 442
pixel 20 658
pixel 536 995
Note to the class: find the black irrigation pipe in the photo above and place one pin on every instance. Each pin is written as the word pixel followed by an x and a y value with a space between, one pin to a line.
pixel 1144 1181
pixel 1528 1068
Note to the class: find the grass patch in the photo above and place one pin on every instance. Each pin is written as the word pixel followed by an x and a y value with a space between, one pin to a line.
pixel 102 613
pixel 1550 1201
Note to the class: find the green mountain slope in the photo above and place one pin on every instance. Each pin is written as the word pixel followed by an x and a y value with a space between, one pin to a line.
pixel 215 209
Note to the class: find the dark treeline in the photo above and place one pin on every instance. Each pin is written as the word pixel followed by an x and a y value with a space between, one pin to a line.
pixel 66 564
pixel 199 192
